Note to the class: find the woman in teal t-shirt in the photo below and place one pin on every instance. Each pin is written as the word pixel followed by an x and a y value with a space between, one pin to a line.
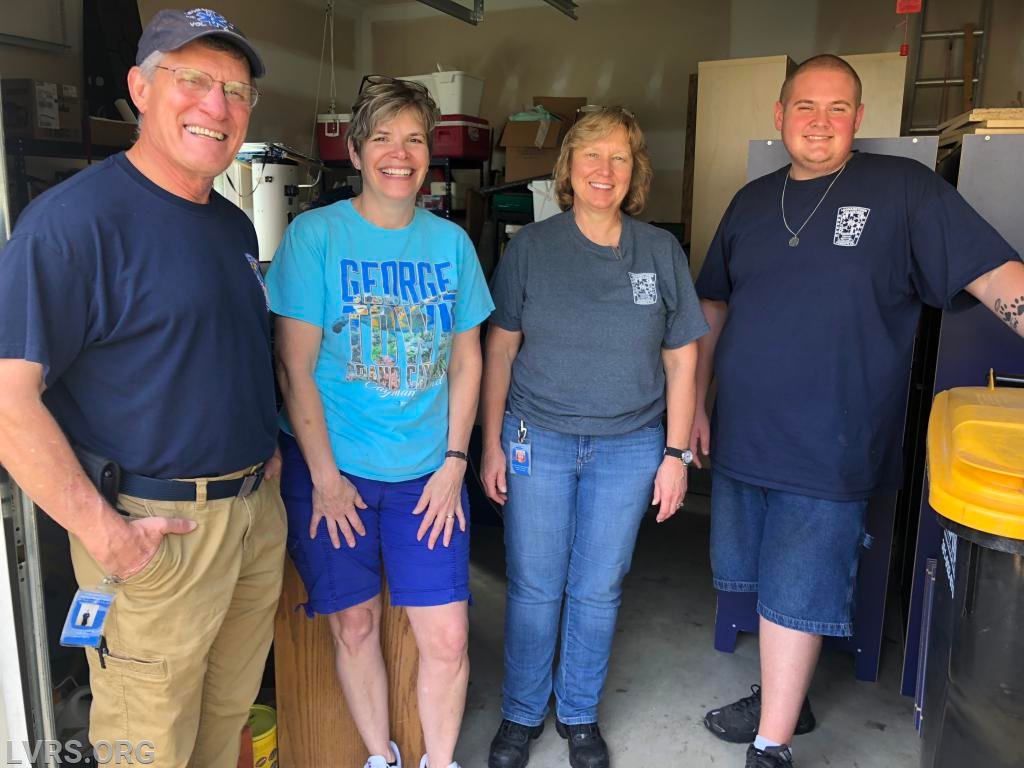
pixel 379 304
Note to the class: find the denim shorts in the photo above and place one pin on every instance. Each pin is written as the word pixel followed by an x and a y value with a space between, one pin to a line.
pixel 336 579
pixel 799 553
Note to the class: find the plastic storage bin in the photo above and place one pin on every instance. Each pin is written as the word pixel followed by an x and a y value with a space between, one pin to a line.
pixel 456 92
pixel 973 696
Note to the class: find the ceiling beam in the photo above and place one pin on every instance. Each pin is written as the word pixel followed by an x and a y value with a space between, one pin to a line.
pixel 460 12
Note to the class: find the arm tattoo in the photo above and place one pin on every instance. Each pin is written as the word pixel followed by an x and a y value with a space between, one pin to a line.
pixel 1011 313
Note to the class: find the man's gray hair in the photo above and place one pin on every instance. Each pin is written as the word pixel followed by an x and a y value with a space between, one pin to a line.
pixel 150 63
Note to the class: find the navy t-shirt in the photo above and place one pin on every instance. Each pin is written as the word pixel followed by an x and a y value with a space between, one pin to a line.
pixel 813 362
pixel 149 316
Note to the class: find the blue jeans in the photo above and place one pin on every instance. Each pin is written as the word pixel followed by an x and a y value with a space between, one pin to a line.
pixel 799 553
pixel 570 529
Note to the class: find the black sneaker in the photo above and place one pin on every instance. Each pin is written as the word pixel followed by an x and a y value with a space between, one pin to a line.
pixel 773 757
pixel 510 747
pixel 738 722
pixel 586 747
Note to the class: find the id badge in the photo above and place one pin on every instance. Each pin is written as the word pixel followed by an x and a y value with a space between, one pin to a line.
pixel 519 458
pixel 83 628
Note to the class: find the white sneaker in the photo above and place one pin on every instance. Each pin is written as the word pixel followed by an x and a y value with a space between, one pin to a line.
pixel 423 763
pixel 379 761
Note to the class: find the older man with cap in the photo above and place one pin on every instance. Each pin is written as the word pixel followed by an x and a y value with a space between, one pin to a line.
pixel 137 400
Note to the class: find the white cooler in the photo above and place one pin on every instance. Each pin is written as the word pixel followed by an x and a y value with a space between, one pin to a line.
pixel 456 92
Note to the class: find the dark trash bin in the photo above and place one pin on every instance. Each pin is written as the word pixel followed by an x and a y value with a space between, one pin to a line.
pixel 973 713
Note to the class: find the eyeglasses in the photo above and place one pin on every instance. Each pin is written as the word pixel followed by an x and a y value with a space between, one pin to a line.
pixel 600 108
pixel 198 83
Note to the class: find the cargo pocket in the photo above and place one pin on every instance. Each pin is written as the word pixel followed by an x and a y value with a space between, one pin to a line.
pixel 146 669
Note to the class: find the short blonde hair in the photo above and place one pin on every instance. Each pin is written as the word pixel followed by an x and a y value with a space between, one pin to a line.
pixel 597 125
pixel 383 99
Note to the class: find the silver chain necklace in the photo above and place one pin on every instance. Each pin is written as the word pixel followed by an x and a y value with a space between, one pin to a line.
pixel 794 241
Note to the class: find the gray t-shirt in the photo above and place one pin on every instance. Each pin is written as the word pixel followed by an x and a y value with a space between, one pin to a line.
pixel 594 321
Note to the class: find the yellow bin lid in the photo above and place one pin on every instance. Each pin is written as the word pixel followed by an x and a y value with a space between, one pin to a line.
pixel 976 459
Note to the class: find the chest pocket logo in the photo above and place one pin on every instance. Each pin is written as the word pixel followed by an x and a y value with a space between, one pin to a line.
pixel 645 287
pixel 850 223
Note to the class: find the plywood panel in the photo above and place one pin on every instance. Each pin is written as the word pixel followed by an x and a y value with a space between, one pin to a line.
pixel 883 76
pixel 314 727
pixel 735 103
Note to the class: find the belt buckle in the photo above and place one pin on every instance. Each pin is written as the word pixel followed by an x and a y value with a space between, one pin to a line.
pixel 248 483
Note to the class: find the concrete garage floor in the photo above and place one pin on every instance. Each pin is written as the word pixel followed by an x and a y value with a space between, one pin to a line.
pixel 665 673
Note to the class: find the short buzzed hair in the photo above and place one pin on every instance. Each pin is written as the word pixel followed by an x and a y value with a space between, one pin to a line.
pixel 822 61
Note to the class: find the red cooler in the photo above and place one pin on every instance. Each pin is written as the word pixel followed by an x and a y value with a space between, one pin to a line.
pixel 330 136
pixel 462 136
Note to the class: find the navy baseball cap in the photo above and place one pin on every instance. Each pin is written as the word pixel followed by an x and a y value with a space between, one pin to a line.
pixel 171 29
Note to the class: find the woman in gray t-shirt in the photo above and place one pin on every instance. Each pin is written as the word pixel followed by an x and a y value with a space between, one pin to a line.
pixel 592 340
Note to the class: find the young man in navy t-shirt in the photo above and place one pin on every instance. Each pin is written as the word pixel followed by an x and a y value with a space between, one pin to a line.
pixel 813 286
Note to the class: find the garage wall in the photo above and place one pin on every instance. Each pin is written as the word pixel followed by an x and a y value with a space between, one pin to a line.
pixel 288 35
pixel 633 52
pixel 640 53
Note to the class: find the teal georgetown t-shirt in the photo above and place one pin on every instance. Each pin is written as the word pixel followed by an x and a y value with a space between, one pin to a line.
pixel 389 302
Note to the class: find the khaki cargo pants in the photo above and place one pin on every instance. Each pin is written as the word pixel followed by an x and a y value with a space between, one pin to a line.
pixel 188 635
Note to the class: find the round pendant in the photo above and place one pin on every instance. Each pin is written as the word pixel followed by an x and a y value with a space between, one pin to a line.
pixel 794 241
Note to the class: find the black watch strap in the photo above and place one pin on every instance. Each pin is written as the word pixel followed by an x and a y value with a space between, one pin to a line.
pixel 457 455
pixel 685 455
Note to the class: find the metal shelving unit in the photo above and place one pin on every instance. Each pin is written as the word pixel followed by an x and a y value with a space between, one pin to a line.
pixel 18 149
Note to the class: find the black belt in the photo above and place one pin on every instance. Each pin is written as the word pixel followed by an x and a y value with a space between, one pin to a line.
pixel 155 489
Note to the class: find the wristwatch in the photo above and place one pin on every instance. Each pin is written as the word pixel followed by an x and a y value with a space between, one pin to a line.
pixel 685 455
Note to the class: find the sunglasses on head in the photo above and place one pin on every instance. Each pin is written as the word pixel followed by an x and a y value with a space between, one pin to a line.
pixel 371 80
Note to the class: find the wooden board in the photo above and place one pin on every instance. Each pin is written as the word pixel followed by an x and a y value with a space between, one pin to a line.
pixel 883 78
pixel 1004 123
pixel 982 114
pixel 314 728
pixel 735 103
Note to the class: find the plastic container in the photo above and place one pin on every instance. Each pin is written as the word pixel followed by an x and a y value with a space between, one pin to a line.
pixel 330 136
pixel 263 724
pixel 456 92
pixel 972 687
pixel 462 136
pixel 544 204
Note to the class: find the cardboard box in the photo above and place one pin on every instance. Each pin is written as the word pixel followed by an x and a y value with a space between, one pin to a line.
pixel 528 162
pixel 111 133
pixel 34 109
pixel 563 106
pixel 537 134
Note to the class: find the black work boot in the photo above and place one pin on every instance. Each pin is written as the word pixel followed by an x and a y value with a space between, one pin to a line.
pixel 510 747
pixel 586 747
pixel 738 722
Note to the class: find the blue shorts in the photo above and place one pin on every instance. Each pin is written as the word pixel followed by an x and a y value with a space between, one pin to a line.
pixel 798 553
pixel 336 579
